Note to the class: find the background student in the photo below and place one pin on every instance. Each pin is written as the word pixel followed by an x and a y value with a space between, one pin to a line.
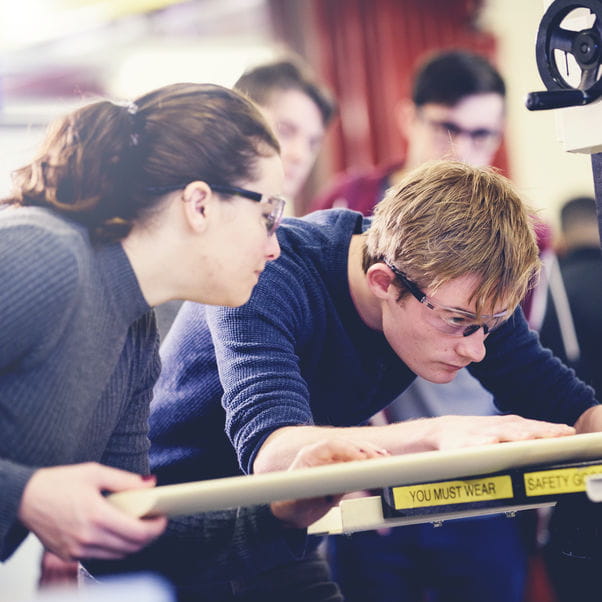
pixel 572 328
pixel 299 109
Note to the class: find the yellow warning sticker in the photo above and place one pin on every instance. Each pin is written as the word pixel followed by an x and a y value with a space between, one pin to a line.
pixel 452 492
pixel 563 480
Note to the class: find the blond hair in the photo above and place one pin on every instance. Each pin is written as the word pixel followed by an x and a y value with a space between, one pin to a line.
pixel 446 220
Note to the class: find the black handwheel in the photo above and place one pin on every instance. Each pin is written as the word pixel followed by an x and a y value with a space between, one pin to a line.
pixel 585 46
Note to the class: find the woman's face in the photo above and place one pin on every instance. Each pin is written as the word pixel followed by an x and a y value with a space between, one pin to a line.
pixel 240 245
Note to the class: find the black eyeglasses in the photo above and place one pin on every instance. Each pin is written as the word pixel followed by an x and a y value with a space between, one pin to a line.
pixel 479 137
pixel 450 320
pixel 275 203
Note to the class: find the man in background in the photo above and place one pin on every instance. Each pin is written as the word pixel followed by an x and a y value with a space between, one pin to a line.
pixel 572 329
pixel 298 108
pixel 457 111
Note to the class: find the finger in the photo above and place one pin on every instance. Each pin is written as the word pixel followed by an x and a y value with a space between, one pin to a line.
pixel 371 450
pixel 115 479
pixel 138 533
pixel 561 430
pixel 337 450
pixel 528 431
pixel 464 442
pixel 108 544
pixel 131 531
pixel 547 429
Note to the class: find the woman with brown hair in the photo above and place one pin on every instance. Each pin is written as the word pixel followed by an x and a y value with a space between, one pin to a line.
pixel 124 208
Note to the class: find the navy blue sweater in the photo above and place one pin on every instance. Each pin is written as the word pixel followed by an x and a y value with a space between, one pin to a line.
pixel 298 353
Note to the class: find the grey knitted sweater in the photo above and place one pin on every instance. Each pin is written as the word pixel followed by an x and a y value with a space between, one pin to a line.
pixel 78 356
pixel 78 360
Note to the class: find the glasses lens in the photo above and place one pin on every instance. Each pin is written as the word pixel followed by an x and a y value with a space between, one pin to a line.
pixel 473 328
pixel 449 321
pixel 274 217
pixel 488 326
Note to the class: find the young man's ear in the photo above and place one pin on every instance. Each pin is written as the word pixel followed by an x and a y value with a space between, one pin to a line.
pixel 198 198
pixel 380 280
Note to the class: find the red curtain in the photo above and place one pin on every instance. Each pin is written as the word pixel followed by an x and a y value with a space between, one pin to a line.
pixel 367 51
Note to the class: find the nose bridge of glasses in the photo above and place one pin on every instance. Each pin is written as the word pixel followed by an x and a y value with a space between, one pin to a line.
pixel 469 330
pixel 488 323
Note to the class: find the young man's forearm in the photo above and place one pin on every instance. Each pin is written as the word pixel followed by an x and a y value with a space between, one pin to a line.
pixel 424 434
pixel 282 445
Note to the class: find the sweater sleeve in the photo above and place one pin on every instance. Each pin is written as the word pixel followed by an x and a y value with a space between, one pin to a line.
pixel 213 547
pixel 526 379
pixel 256 348
pixel 39 276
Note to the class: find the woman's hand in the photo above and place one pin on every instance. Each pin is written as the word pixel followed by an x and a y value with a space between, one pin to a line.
pixel 65 507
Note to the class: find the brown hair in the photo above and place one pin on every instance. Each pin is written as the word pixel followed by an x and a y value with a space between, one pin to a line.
pixel 98 163
pixel 289 73
pixel 446 220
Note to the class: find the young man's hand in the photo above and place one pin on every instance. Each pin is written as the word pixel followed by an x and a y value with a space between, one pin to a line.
pixel 590 421
pixel 423 434
pixel 451 432
pixel 302 513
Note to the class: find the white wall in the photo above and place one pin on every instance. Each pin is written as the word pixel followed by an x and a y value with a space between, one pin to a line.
pixel 545 173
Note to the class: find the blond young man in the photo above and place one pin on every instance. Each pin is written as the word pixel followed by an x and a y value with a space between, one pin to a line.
pixel 350 313
pixel 456 111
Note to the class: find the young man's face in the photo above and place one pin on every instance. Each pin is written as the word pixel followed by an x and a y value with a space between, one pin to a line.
pixel 470 131
pixel 418 336
pixel 298 125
